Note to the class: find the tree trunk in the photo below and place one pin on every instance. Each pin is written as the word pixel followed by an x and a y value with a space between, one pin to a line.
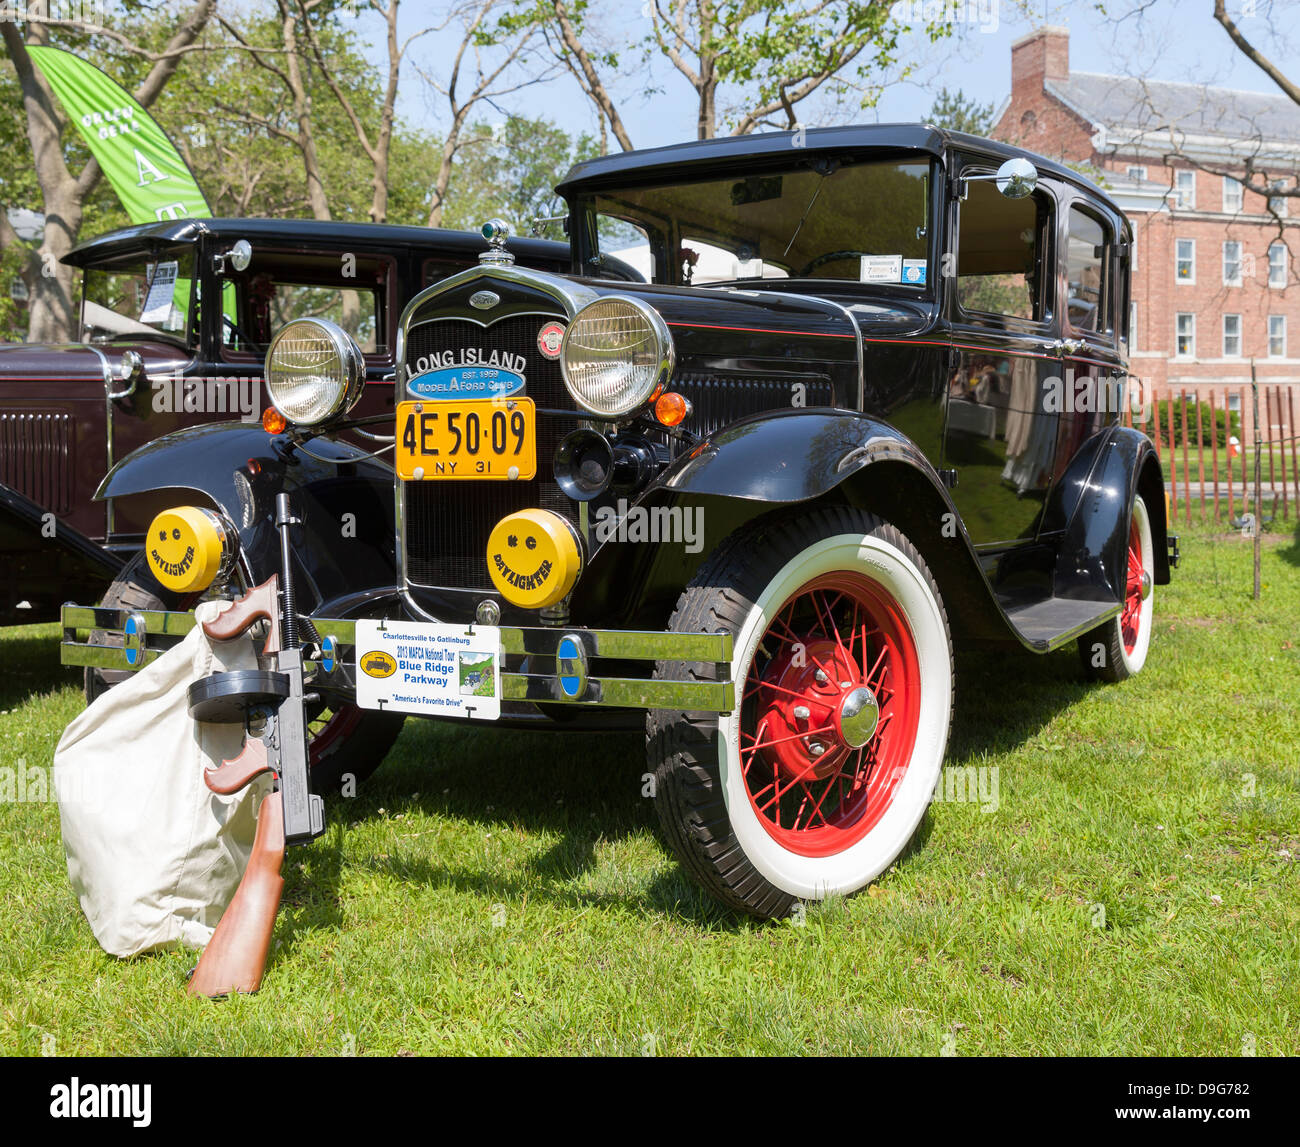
pixel 52 312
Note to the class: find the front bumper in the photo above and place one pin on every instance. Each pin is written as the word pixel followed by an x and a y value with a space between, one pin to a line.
pixel 607 664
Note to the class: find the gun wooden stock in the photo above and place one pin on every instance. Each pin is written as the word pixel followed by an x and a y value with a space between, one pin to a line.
pixel 235 957
pixel 232 775
pixel 260 602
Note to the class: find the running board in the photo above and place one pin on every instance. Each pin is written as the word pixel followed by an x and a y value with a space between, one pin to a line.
pixel 1056 621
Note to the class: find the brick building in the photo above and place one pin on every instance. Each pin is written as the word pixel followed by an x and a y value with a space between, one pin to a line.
pixel 1216 273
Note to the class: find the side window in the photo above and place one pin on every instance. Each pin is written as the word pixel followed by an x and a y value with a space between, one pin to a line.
pixel 349 291
pixel 1088 263
pixel 1000 253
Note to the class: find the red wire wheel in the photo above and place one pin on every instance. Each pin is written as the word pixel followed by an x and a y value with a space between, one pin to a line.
pixel 829 714
pixel 1131 617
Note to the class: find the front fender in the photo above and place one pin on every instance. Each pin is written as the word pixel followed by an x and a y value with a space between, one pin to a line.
pixel 791 456
pixel 801 457
pixel 343 497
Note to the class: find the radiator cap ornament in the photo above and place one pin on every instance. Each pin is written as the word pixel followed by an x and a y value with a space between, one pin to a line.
pixel 496 232
pixel 533 558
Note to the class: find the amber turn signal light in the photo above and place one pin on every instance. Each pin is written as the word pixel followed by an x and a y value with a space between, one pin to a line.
pixel 273 421
pixel 672 408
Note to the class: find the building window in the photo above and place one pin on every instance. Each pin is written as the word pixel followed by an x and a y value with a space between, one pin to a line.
pixel 1234 402
pixel 1185 261
pixel 1277 203
pixel 1185 190
pixel 1186 328
pixel 1132 327
pixel 1232 263
pixel 1232 336
pixel 1139 173
pixel 1277 336
pixel 1277 264
pixel 1233 196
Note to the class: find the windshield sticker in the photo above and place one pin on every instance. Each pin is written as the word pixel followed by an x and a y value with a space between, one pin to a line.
pixel 474 374
pixel 881 268
pixel 914 272
pixel 158 305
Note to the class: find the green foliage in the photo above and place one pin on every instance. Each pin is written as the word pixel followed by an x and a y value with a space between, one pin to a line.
pixel 512 172
pixel 1225 423
pixel 956 112
pixel 13 318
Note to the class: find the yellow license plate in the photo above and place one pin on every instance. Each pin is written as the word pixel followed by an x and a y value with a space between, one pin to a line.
pixel 480 438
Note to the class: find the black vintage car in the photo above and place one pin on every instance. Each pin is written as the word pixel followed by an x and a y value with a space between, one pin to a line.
pixel 152 359
pixel 865 409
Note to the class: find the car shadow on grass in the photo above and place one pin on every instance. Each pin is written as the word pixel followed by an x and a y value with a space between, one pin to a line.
pixel 585 790
pixel 30 654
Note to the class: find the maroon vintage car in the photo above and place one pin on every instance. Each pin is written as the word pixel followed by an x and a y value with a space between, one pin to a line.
pixel 153 358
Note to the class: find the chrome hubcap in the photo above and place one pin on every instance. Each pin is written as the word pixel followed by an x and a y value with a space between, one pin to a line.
pixel 858 716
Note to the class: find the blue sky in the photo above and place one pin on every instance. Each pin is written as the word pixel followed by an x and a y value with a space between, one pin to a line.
pixel 1171 40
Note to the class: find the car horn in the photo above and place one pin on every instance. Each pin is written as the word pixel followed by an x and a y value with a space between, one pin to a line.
pixel 587 463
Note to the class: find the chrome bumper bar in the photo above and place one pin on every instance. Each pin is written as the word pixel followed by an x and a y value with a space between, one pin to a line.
pixel 130 640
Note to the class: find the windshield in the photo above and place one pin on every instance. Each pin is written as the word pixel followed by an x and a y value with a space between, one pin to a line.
pixel 140 296
pixel 821 218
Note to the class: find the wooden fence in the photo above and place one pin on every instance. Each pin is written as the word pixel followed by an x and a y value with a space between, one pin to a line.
pixel 1211 481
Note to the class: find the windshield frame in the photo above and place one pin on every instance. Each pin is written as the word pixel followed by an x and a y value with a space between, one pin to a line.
pixel 155 253
pixel 588 255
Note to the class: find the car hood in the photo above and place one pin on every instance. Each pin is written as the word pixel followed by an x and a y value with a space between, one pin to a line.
pixel 40 361
pixel 44 360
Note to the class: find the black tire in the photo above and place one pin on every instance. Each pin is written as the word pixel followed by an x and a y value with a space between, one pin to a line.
pixel 347 745
pixel 1118 648
pixel 760 863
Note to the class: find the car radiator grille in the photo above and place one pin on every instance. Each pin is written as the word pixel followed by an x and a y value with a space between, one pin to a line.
pixel 36 457
pixel 447 524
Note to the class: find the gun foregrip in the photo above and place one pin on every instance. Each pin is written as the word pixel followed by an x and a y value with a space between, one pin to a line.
pixel 232 775
pixel 235 957
pixel 260 602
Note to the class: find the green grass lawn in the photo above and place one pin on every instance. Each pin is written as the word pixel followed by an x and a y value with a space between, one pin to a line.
pixel 1136 892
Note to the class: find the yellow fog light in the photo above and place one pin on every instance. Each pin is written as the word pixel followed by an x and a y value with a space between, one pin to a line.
pixel 185 548
pixel 533 558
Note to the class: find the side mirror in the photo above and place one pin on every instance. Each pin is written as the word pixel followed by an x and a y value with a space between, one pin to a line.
pixel 240 256
pixel 1017 178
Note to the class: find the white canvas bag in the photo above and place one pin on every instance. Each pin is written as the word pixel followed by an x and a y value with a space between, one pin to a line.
pixel 154 855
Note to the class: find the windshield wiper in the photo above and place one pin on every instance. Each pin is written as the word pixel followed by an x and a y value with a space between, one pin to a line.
pixel 824 169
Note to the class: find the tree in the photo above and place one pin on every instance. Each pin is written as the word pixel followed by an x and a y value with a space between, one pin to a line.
pixel 496 48
pixel 750 62
pixel 514 174
pixel 954 111
pixel 64 194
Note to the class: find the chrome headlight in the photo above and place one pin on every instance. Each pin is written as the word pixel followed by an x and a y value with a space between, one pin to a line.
pixel 314 371
pixel 616 353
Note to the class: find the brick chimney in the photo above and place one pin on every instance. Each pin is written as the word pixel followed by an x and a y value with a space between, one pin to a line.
pixel 1042 55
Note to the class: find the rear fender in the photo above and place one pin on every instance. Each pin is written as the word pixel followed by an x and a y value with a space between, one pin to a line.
pixel 343 498
pixel 1094 501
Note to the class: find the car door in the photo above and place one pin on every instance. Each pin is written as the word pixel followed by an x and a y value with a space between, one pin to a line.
pixel 1000 424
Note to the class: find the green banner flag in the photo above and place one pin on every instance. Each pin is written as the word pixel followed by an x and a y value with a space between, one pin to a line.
pixel 147 172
